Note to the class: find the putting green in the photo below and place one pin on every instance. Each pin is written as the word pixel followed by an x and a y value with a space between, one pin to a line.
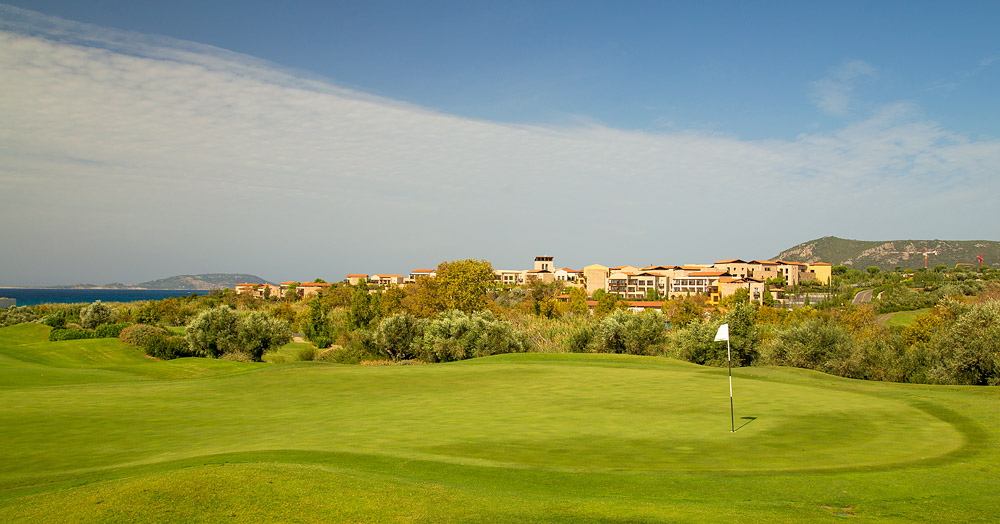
pixel 94 432
pixel 584 413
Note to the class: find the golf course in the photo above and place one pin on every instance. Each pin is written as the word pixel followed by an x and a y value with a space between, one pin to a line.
pixel 94 431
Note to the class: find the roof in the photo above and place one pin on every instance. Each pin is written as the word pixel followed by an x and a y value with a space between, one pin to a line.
pixel 732 261
pixel 388 276
pixel 357 276
pixel 820 264
pixel 290 282
pixel 649 268
pixel 693 266
pixel 764 262
pixel 707 273
pixel 790 263
pixel 568 270
pixel 423 271
pixel 314 284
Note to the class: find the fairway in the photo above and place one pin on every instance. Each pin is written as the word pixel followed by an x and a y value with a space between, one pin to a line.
pixel 596 435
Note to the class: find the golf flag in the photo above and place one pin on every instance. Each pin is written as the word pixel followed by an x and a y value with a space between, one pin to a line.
pixel 723 333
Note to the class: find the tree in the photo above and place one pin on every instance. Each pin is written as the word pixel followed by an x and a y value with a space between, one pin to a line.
pixel 606 303
pixel 768 298
pixel 744 338
pixel 578 301
pixel 364 307
pixel 873 270
pixel 257 334
pixel 839 270
pixel 221 330
pixel 96 314
pixel 684 310
pixel 399 337
pixel 462 284
pixel 214 332
pixel 317 327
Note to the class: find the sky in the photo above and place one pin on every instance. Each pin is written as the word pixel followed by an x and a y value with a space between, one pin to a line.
pixel 302 140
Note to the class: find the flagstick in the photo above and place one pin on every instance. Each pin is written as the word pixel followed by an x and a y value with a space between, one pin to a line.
pixel 729 360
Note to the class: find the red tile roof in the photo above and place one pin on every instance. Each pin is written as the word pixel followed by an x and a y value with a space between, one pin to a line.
pixel 731 261
pixel 357 276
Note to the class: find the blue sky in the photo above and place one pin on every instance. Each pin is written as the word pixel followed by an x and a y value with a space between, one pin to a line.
pixel 150 139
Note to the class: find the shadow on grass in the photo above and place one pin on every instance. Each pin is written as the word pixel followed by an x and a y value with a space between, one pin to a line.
pixel 747 419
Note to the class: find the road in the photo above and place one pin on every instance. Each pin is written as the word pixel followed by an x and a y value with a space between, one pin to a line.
pixel 865 295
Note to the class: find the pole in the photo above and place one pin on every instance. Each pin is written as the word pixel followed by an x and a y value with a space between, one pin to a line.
pixel 729 360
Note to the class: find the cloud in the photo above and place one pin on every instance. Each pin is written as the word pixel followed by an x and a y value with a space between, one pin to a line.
pixel 128 158
pixel 834 94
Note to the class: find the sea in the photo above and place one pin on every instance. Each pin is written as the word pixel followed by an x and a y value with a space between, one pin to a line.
pixel 33 296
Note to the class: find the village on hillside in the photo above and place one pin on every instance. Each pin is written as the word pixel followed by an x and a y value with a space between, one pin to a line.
pixel 640 287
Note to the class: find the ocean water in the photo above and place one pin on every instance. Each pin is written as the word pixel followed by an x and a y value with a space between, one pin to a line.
pixel 32 296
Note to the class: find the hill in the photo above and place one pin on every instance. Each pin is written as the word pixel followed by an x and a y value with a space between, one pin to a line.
pixel 203 281
pixel 889 254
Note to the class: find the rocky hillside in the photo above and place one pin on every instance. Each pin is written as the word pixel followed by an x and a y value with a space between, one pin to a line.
pixel 889 254
pixel 201 282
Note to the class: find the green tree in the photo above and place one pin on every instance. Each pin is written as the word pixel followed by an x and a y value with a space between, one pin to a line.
pixel 400 336
pixel 744 337
pixel 578 301
pixel 96 314
pixel 317 327
pixel 257 334
pixel 214 332
pixel 768 298
pixel 220 331
pixel 364 307
pixel 873 270
pixel 838 270
pixel 606 303
pixel 462 284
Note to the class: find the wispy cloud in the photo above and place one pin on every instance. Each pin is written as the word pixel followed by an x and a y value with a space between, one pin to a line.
pixel 834 94
pixel 174 157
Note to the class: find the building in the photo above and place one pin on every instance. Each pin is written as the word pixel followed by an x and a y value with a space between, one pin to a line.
pixel 311 289
pixel 355 278
pixel 386 280
pixel 422 273
pixel 568 275
pixel 822 271
pixel 511 277
pixel 544 264
pixel 595 276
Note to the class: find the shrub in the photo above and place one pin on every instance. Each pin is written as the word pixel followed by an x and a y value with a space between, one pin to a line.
pixel 580 340
pixel 166 347
pixel 136 334
pixel 399 336
pixel 695 343
pixel 969 349
pixel 306 354
pixel 55 320
pixel 220 330
pixel 16 315
pixel 110 330
pixel 816 344
pixel 454 335
pixel 96 314
pixel 69 334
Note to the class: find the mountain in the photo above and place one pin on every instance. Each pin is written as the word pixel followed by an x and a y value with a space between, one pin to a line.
pixel 860 254
pixel 201 282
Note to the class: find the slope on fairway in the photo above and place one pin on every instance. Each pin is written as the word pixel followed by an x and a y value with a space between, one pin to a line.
pixel 27 358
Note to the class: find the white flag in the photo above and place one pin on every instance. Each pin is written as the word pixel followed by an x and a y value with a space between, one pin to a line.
pixel 723 333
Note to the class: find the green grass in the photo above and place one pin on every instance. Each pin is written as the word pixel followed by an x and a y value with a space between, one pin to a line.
pixel 904 318
pixel 515 438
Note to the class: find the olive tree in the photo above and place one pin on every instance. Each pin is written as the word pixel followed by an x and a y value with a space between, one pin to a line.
pixel 96 314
